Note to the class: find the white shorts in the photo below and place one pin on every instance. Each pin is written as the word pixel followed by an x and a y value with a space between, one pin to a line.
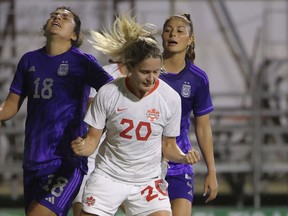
pixel 102 196
pixel 91 166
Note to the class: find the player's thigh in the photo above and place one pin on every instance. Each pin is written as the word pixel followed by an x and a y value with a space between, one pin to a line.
pixel 181 207
pixel 76 208
pixel 161 213
pixel 36 209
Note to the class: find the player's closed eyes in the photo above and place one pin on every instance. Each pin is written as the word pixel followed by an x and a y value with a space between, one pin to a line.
pixel 63 16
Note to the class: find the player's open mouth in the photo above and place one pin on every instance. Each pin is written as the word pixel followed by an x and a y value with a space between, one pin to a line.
pixel 172 42
pixel 56 24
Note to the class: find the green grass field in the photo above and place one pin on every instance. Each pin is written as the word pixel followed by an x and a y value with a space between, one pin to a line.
pixel 199 211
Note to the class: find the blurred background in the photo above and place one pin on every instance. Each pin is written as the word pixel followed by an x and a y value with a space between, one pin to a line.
pixel 243 47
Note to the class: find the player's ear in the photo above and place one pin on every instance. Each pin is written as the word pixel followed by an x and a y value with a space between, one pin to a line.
pixel 74 37
pixel 191 39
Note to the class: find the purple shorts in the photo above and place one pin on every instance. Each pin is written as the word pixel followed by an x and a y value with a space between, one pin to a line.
pixel 180 186
pixel 53 187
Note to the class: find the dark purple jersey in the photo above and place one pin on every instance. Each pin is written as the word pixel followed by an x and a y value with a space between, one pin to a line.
pixel 57 88
pixel 192 84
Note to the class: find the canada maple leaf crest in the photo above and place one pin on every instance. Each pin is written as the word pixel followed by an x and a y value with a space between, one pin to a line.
pixel 90 201
pixel 152 114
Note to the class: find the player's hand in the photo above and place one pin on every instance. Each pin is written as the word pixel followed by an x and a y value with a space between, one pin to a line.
pixel 192 156
pixel 210 186
pixel 78 146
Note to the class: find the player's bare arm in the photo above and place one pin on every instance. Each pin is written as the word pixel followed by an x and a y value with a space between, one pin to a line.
pixel 10 106
pixel 205 140
pixel 1 115
pixel 172 152
pixel 86 146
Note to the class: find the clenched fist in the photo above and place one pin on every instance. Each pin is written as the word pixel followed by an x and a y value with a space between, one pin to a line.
pixel 192 156
pixel 78 146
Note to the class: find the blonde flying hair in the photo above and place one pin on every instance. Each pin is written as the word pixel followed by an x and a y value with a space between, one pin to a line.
pixel 128 42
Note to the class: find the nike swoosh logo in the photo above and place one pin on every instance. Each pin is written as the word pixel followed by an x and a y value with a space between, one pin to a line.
pixel 160 199
pixel 121 109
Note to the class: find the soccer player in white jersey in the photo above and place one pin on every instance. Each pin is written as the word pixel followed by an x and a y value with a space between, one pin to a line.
pixel 141 124
pixel 115 70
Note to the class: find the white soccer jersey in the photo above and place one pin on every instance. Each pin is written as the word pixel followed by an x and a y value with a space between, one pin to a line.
pixel 132 150
pixel 114 70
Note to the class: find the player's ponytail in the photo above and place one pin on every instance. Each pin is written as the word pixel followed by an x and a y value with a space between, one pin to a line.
pixel 190 54
pixel 127 42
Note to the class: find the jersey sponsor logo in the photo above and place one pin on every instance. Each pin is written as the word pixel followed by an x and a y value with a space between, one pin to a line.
pixel 90 201
pixel 31 69
pixel 50 199
pixel 186 90
pixel 152 115
pixel 63 69
pixel 121 109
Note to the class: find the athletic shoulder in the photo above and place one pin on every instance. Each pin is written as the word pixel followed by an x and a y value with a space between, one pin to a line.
pixel 112 87
pixel 113 69
pixel 198 72
pixel 82 55
pixel 168 91
pixel 32 53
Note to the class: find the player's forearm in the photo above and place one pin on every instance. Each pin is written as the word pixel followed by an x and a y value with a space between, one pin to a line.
pixel 208 154
pixel 204 136
pixel 6 112
pixel 174 154
pixel 0 115
pixel 171 150
pixel 1 111
pixel 91 141
pixel 205 142
pixel 90 145
pixel 10 106
pixel 84 146
pixel 209 161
